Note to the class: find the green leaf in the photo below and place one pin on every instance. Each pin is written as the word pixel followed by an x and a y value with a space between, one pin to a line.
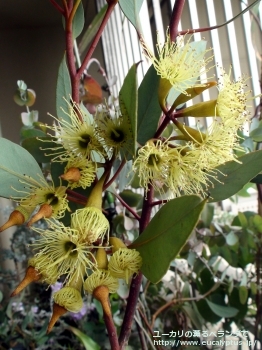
pixel 131 10
pixel 17 166
pixel 88 342
pixel 128 103
pixel 149 110
pixel 29 132
pixel 232 176
pixel 91 30
pixel 256 134
pixel 257 222
pixel 222 311
pixel 131 198
pixel 193 315
pixel 243 220
pixel 37 148
pixel 78 21
pixel 231 239
pixel 63 91
pixel 257 179
pixel 166 235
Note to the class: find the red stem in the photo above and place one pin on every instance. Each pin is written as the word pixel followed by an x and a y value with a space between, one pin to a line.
pixel 89 54
pixel 115 175
pixel 137 280
pixel 58 7
pixel 175 18
pixel 111 330
pixel 127 207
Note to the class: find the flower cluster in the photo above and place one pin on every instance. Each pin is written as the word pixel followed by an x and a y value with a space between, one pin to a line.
pixel 186 163
pixel 76 255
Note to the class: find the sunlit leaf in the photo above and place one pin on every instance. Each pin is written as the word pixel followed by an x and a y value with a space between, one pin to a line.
pixel 17 166
pixel 131 10
pixel 166 235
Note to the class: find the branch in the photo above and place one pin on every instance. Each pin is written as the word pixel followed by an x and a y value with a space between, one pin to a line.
pixel 111 330
pixel 130 310
pixel 89 54
pixel 175 18
pixel 140 331
pixel 137 280
pixel 115 175
pixel 174 301
pixel 58 7
pixel 148 327
pixel 127 207
pixel 199 30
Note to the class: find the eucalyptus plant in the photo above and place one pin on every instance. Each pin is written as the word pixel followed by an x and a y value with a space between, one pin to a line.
pixel 96 149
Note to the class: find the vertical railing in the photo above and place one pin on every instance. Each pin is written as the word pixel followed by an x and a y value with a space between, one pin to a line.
pixel 232 45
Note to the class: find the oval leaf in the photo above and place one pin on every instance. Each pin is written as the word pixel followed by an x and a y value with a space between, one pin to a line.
pixel 91 30
pixel 63 91
pixel 78 21
pixel 166 235
pixel 16 165
pixel 128 103
pixel 88 342
pixel 222 311
pixel 149 110
pixel 131 10
pixel 233 176
pixel 38 149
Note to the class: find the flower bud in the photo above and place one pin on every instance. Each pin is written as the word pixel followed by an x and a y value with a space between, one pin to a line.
pixel 116 243
pixel 58 311
pixel 73 174
pixel 17 217
pixel 124 263
pixel 101 258
pixel 66 299
pixel 45 211
pixel 101 278
pixel 101 293
pixel 32 275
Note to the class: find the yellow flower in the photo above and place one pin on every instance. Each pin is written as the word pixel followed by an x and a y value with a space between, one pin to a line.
pixel 91 223
pixel 178 63
pixel 232 101
pixel 69 298
pixel 116 132
pixel 124 263
pixel 77 136
pixel 43 193
pixel 43 265
pixel 152 164
pixel 79 172
pixel 65 249
pixel 101 278
pixel 215 146
pixel 186 175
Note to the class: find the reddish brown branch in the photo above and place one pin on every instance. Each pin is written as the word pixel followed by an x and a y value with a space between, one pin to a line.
pixel 89 54
pixel 175 18
pixel 58 7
